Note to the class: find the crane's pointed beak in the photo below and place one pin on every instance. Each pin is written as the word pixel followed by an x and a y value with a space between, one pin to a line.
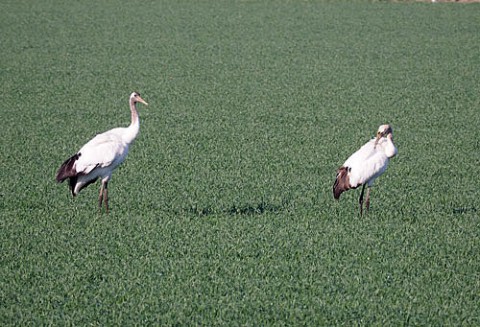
pixel 142 101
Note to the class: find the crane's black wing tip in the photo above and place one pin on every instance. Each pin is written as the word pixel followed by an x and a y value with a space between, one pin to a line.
pixel 342 182
pixel 67 169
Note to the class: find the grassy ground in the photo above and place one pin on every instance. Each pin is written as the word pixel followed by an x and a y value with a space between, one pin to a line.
pixel 223 213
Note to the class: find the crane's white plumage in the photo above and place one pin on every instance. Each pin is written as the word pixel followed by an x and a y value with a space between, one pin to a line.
pixel 365 165
pixel 101 155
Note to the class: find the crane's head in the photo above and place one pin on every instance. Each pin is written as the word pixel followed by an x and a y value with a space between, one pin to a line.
pixel 383 131
pixel 135 97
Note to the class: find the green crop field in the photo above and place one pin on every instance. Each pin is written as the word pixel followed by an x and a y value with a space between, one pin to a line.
pixel 223 212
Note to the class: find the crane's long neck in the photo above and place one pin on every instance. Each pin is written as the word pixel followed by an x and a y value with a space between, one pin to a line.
pixel 132 130
pixel 389 147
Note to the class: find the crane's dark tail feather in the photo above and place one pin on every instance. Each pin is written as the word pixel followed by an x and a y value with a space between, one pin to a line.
pixel 342 182
pixel 67 170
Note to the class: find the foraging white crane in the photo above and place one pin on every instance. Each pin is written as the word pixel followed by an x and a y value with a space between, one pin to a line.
pixel 365 165
pixel 100 156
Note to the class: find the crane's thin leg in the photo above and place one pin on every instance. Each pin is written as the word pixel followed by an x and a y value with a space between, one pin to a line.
pixel 100 198
pixel 360 200
pixel 367 201
pixel 105 196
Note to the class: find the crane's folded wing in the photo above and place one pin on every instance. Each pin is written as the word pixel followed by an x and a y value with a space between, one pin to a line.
pixel 102 151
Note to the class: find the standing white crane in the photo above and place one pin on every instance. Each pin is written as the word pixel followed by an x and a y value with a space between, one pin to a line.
pixel 100 156
pixel 365 165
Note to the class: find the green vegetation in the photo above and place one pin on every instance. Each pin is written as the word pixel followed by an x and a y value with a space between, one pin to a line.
pixel 223 214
